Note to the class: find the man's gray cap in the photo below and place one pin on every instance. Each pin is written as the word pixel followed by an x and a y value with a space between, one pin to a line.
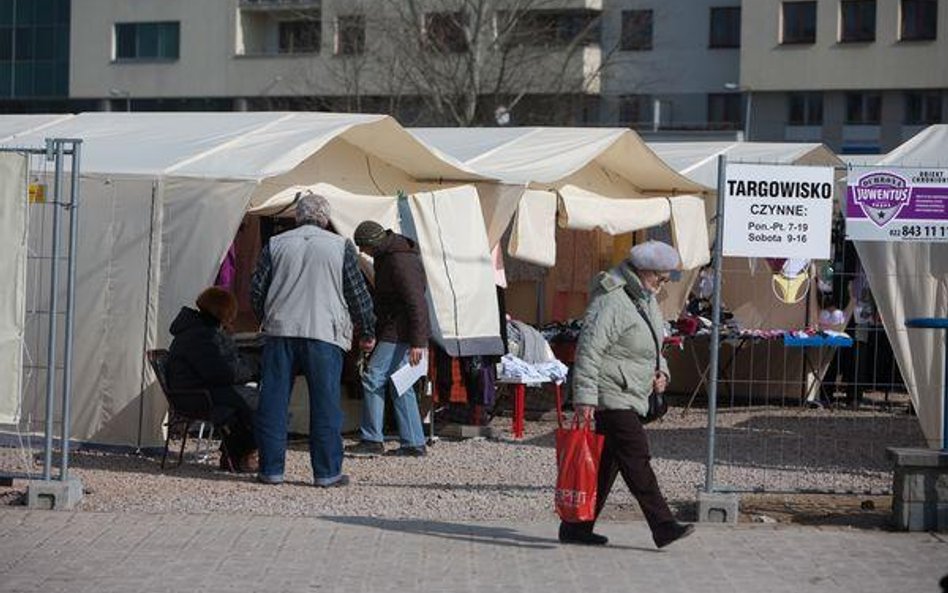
pixel 654 255
pixel 312 209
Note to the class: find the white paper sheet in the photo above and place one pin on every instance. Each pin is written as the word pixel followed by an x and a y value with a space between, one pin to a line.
pixel 406 376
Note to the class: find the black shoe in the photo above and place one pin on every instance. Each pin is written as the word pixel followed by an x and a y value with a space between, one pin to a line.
pixel 409 452
pixel 672 532
pixel 581 533
pixel 365 449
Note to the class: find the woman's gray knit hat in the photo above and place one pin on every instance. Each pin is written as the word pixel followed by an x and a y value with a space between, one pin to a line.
pixel 313 209
pixel 369 234
pixel 655 256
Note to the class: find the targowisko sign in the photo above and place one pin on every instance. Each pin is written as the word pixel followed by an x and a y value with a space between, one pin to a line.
pixel 897 204
pixel 778 211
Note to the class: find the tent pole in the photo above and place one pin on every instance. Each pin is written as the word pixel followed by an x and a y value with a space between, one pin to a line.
pixel 715 323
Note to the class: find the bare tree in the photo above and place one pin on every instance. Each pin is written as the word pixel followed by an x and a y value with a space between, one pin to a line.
pixel 469 61
pixel 457 62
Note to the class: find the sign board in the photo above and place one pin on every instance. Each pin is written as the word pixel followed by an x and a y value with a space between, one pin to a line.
pixel 897 204
pixel 778 211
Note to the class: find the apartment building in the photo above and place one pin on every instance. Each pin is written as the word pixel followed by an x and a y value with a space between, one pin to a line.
pixel 862 76
pixel 34 54
pixel 346 55
pixel 673 64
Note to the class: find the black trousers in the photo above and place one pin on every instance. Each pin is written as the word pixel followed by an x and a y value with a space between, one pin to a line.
pixel 626 452
pixel 234 408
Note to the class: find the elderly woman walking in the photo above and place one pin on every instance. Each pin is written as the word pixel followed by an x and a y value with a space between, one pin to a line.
pixel 618 365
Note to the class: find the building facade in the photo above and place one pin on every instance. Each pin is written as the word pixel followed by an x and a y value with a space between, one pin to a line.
pixel 644 63
pixel 862 76
pixel 673 64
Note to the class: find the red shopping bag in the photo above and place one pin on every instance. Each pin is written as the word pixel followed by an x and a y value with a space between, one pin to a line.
pixel 578 449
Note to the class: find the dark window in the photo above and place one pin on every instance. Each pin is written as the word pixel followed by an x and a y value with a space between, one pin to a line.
pixel 636 30
pixel 805 109
pixel 635 109
pixel 863 108
pixel 300 37
pixel 799 22
pixel 147 41
pixel 350 35
pixel 444 32
pixel 922 108
pixel 548 28
pixel 919 20
pixel 725 27
pixel 724 110
pixel 857 20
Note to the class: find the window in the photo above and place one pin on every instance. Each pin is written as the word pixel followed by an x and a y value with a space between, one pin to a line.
pixel 799 22
pixel 724 111
pixel 857 20
pixel 863 108
pixel 636 30
pixel 919 20
pixel 725 27
pixel 350 35
pixel 635 109
pixel 300 37
pixel 805 109
pixel 548 28
pixel 147 41
pixel 922 108
pixel 444 32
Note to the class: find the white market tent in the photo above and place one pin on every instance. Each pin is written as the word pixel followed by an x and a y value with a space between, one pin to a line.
pixel 582 178
pixel 910 280
pixel 162 195
pixel 699 162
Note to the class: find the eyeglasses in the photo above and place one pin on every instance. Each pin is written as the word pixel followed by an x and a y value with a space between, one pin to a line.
pixel 661 279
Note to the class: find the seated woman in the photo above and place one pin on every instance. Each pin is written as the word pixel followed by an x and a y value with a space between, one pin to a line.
pixel 202 355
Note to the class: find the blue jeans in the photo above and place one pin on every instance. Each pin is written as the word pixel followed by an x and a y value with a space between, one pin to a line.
pixel 321 364
pixel 387 358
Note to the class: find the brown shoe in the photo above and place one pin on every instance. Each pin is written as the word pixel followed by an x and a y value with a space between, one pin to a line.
pixel 248 464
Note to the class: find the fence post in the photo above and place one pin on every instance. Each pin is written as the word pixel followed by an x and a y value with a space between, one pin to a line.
pixel 715 324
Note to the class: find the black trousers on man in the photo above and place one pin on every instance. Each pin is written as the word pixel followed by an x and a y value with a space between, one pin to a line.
pixel 626 452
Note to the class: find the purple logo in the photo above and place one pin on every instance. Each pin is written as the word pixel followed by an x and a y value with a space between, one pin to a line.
pixel 882 196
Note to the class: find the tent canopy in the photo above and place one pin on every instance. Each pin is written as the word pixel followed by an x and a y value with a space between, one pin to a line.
pixel 162 196
pixel 911 280
pixel 576 173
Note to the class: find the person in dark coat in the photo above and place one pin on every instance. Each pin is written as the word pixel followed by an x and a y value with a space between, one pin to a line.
pixel 203 356
pixel 402 330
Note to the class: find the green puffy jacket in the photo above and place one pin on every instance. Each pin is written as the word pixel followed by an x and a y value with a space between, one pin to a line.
pixel 615 357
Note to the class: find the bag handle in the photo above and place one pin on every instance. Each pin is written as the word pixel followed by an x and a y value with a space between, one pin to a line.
pixel 648 323
pixel 559 414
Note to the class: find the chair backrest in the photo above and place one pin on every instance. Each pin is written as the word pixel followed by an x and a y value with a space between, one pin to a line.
pixel 158 359
pixel 192 403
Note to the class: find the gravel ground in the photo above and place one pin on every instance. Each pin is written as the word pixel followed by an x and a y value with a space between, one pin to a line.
pixel 778 449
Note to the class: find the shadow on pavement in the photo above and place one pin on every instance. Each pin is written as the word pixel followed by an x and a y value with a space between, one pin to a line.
pixel 498 536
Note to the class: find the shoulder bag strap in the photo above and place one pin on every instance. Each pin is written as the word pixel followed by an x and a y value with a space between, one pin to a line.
pixel 648 323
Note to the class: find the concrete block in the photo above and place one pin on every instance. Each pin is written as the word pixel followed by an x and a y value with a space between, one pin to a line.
pixel 716 507
pixel 915 487
pixel 54 495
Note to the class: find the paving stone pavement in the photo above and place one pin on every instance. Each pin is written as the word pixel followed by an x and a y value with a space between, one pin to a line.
pixel 124 552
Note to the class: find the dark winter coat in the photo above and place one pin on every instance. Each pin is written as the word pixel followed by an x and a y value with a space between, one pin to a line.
pixel 202 355
pixel 400 282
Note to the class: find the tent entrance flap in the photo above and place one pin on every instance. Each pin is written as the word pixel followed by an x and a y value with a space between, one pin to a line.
pixel 13 244
pixel 461 292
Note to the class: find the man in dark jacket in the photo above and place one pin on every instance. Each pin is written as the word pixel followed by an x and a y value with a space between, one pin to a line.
pixel 402 331
pixel 203 356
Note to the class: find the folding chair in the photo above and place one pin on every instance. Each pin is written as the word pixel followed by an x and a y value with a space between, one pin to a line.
pixel 184 405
